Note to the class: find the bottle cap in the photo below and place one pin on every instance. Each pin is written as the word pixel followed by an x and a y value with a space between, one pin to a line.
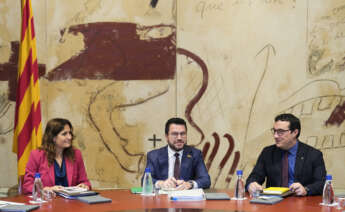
pixel 328 177
pixel 239 172
pixel 147 170
pixel 37 175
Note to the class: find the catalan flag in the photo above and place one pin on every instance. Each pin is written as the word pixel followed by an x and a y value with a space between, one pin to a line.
pixel 27 124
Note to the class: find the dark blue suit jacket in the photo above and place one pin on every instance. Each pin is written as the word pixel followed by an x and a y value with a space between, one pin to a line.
pixel 310 168
pixel 192 166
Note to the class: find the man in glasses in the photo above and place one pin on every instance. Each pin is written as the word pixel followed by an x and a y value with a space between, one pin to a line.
pixel 177 165
pixel 289 162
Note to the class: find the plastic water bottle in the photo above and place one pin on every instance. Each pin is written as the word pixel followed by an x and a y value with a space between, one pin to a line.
pixel 147 183
pixel 37 189
pixel 328 194
pixel 239 191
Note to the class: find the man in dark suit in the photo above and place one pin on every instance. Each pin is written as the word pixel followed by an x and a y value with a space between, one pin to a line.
pixel 304 170
pixel 177 165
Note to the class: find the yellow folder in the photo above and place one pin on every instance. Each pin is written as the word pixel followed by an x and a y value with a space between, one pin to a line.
pixel 276 190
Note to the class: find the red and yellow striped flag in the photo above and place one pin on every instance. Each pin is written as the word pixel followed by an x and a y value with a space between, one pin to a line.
pixel 27 125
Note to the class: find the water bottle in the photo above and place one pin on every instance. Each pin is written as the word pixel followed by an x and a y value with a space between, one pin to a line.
pixel 147 183
pixel 37 189
pixel 328 194
pixel 239 191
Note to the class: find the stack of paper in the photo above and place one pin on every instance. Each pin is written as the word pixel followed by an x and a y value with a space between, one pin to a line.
pixel 187 195
pixel 74 192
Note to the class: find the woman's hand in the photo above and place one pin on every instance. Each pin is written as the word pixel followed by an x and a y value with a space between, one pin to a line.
pixel 53 188
pixel 49 192
pixel 82 185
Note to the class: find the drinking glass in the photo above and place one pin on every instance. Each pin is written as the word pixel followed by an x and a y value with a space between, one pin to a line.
pixel 340 202
pixel 256 194
pixel 48 195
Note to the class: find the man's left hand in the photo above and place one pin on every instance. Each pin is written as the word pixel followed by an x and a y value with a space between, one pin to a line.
pixel 298 189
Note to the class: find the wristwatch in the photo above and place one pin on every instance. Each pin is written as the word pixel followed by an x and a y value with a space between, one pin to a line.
pixel 307 190
pixel 191 184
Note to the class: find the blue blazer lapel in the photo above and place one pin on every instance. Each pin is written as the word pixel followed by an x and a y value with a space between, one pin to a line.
pixel 163 163
pixel 186 163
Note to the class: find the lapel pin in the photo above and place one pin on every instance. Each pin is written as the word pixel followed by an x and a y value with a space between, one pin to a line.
pixel 189 156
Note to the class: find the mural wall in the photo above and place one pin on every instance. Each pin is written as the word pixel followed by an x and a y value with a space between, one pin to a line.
pixel 119 69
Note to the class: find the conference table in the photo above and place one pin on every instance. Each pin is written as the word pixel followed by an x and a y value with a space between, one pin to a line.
pixel 124 200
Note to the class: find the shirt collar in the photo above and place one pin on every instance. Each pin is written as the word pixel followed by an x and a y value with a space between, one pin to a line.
pixel 171 152
pixel 293 149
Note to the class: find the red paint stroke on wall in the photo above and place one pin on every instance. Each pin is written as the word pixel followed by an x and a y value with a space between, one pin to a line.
pixel 228 153
pixel 337 117
pixel 214 150
pixel 9 71
pixel 205 149
pixel 116 51
pixel 199 94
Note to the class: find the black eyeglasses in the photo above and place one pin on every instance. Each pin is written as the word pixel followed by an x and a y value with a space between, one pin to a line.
pixel 175 134
pixel 279 132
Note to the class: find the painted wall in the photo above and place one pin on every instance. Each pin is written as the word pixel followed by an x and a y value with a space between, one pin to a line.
pixel 119 69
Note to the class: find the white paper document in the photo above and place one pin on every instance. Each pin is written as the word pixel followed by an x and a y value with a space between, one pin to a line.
pixel 73 190
pixel 187 195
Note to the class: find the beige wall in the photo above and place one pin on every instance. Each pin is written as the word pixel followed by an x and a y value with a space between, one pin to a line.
pixel 254 58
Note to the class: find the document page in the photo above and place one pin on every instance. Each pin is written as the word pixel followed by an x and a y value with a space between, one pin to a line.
pixel 185 195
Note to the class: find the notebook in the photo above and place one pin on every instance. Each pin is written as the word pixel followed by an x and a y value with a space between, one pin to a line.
pixel 75 196
pixel 270 200
pixel 94 199
pixel 18 208
pixel 216 196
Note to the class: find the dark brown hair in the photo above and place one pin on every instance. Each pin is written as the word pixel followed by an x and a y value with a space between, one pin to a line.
pixel 53 128
pixel 177 121
pixel 294 122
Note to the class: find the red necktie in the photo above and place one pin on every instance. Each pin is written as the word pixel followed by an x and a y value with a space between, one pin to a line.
pixel 285 170
pixel 177 166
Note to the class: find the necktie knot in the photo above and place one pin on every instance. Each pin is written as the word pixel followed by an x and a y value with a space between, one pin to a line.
pixel 176 155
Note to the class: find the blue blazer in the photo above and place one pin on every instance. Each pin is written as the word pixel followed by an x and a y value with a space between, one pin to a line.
pixel 192 166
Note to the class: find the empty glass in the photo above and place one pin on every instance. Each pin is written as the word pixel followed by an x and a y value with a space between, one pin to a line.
pixel 256 194
pixel 340 202
pixel 48 195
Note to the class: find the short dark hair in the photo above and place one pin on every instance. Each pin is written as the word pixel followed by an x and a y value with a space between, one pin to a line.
pixel 293 120
pixel 177 121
